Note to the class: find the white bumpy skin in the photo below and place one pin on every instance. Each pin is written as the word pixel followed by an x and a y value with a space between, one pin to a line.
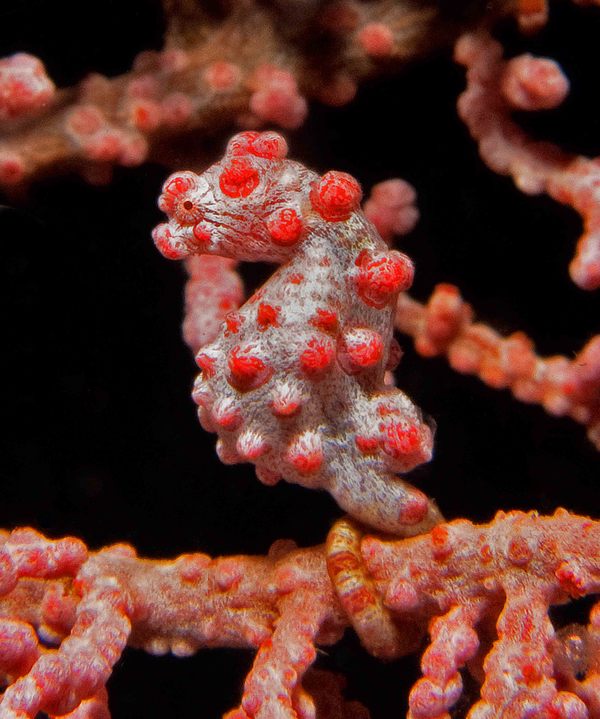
pixel 294 383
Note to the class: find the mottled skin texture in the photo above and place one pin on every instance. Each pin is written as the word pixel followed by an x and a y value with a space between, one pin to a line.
pixel 295 380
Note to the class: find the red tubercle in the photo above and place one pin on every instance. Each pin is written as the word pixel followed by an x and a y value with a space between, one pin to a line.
pixel 25 88
pixel 366 445
pixel 382 276
pixel 239 178
pixel 176 109
pixel 385 410
pixel 267 316
pixel 201 234
pixel 285 227
pixel 359 349
pixel 192 567
pixel 226 414
pixel 268 145
pixel 251 445
pixel 170 246
pixel 305 454
pixel 316 359
pixel 296 278
pixel 335 196
pixel 233 322
pixel 399 439
pixel 246 370
pixel 441 547
pixel 486 554
pixel 283 408
pixel 414 508
pixel 206 364
pixel 325 320
pixel 286 400
pixel 519 552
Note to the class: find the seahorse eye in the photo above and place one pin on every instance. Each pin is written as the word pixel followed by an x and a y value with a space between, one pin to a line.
pixel 188 211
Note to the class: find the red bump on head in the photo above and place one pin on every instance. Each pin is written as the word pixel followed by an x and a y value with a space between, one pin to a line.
pixel 201 234
pixel 285 227
pixel 268 145
pixel 317 357
pixel 359 349
pixel 238 178
pixel 175 187
pixel 381 277
pixel 206 364
pixel 246 370
pixel 336 196
pixel 241 143
pixel 169 245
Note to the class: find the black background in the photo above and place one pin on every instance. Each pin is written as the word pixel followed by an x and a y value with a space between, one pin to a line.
pixel 99 436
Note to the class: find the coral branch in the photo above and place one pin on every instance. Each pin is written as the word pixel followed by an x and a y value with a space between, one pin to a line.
pixel 496 87
pixel 249 65
pixel 445 326
pixel 509 571
pixel 459 579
